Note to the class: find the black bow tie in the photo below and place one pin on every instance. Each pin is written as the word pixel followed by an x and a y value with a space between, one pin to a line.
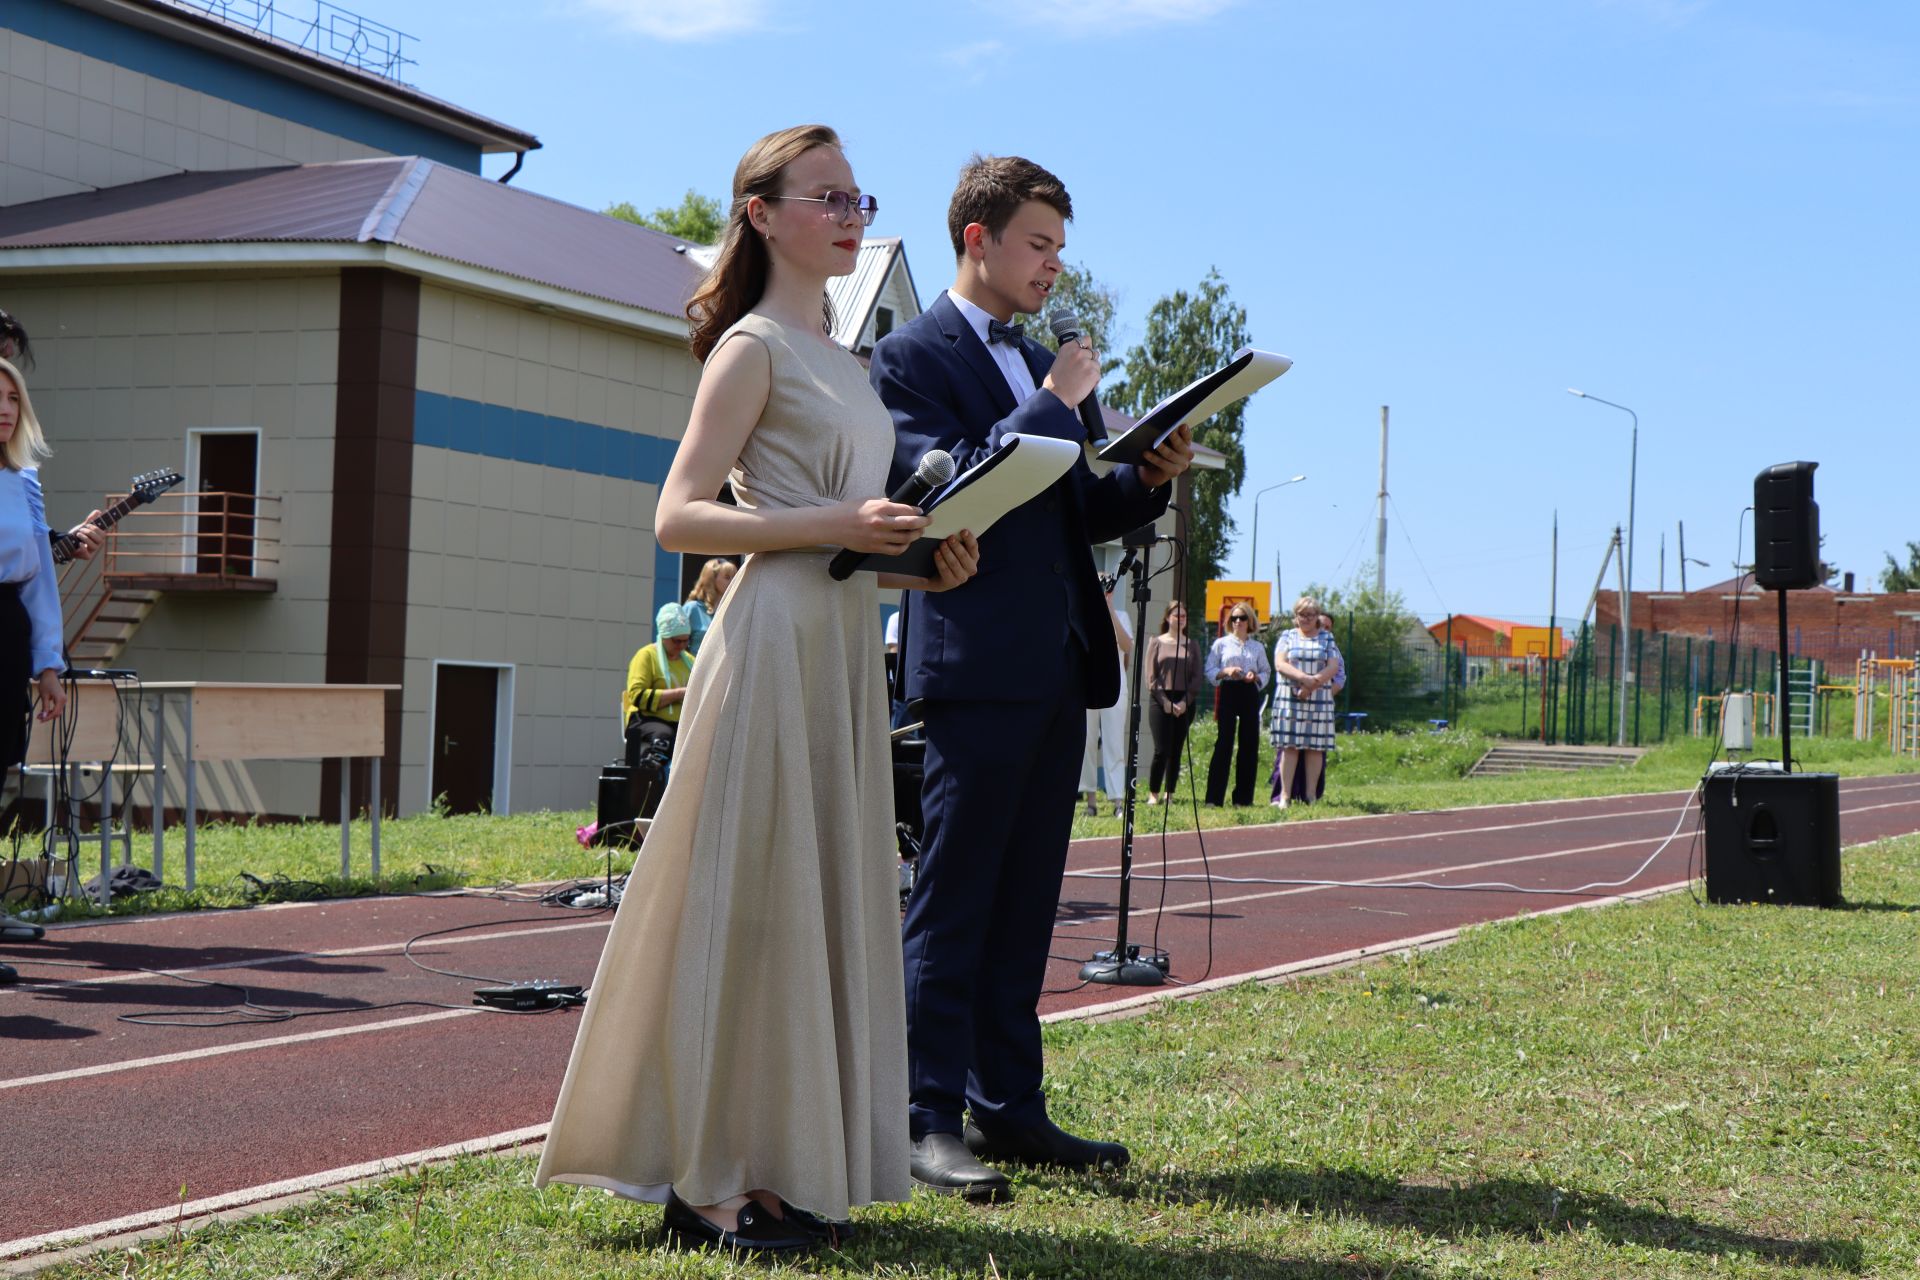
pixel 1007 333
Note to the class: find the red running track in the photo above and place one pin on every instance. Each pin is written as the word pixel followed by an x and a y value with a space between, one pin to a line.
pixel 239 1114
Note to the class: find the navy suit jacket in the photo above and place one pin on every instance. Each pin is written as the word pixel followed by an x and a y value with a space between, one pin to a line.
pixel 1003 636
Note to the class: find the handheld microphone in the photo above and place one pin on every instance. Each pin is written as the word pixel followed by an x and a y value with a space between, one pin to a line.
pixel 1066 328
pixel 935 469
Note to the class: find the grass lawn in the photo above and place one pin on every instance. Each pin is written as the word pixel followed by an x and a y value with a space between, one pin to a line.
pixel 1660 1089
pixel 1369 773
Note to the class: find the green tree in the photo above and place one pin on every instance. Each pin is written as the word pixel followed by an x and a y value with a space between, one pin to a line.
pixel 1077 291
pixel 697 219
pixel 1895 578
pixel 1190 334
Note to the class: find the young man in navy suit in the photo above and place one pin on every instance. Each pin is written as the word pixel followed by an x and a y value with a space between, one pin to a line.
pixel 1004 669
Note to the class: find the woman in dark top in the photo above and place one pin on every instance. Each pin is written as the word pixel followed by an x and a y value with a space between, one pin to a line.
pixel 1173 675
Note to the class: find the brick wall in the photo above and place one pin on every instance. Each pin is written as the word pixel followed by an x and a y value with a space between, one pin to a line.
pixel 1832 626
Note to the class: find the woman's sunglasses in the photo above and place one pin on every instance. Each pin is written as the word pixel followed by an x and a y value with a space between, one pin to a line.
pixel 840 203
pixel 1239 617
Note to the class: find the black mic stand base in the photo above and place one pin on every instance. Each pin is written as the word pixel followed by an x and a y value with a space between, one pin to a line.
pixel 1109 970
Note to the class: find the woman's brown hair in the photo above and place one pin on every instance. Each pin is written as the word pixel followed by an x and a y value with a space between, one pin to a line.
pixel 739 276
pixel 1177 604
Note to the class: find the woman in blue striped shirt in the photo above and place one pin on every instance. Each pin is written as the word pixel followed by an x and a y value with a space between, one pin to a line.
pixel 30 627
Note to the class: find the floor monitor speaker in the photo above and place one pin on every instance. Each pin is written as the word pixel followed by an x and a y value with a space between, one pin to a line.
pixel 1773 837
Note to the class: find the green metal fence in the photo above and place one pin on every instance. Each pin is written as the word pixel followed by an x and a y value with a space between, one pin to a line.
pixel 1426 677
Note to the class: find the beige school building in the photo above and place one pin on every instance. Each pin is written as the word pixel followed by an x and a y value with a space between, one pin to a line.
pixel 422 415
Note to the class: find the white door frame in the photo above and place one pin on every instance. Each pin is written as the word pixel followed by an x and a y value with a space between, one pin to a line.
pixel 502 730
pixel 189 560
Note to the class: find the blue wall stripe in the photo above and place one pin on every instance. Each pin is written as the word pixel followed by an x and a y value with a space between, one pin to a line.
pixel 494 431
pixel 207 72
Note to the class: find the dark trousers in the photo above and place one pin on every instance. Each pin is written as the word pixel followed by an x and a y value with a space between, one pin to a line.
pixel 1237 708
pixel 998 807
pixel 1169 740
pixel 16 655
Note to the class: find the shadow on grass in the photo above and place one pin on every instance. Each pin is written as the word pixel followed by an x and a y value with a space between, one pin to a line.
pixel 1527 1209
pixel 1898 908
pixel 980 1246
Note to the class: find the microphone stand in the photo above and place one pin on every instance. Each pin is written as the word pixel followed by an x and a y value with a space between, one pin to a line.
pixel 1123 966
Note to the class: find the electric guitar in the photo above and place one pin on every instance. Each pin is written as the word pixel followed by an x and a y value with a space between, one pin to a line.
pixel 145 488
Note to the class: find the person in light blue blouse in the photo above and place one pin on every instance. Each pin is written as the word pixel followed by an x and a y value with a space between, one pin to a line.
pixel 30 628
pixel 1238 669
pixel 715 576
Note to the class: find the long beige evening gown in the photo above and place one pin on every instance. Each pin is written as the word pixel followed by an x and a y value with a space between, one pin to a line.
pixel 746 1028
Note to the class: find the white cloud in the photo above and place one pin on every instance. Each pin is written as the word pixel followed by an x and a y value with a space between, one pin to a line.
pixel 682 19
pixel 1109 17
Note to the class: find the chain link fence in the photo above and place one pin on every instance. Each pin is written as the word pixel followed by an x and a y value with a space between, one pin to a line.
pixel 1403 674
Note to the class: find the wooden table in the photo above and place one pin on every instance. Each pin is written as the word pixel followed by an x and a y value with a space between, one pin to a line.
pixel 228 721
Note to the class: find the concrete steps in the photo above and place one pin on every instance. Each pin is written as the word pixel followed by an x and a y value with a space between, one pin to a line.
pixel 1521 758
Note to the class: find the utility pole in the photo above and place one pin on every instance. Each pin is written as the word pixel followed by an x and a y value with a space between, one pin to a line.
pixel 1683 557
pixel 1553 635
pixel 1663 560
pixel 1380 529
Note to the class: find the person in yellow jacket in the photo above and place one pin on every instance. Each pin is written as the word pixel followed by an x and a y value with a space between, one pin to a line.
pixel 656 685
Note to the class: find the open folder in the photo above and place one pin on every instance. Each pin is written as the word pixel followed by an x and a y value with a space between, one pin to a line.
pixel 1247 372
pixel 1021 469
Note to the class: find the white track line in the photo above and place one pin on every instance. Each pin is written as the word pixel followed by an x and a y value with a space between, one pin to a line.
pixel 1906 779
pixel 1389 880
pixel 244 1046
pixel 191 1209
pixel 1334 960
pixel 1417 835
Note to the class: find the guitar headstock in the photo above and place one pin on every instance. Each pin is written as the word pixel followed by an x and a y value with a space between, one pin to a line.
pixel 150 485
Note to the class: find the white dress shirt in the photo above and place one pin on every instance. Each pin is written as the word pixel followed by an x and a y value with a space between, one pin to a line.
pixel 1005 354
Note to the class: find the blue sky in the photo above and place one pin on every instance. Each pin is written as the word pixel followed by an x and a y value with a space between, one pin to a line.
pixel 1699 208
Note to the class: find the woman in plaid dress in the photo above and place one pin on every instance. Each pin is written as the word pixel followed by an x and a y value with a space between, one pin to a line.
pixel 1306 662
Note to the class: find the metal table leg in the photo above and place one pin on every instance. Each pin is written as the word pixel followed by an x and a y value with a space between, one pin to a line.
pixel 346 818
pixel 373 791
pixel 157 790
pixel 193 791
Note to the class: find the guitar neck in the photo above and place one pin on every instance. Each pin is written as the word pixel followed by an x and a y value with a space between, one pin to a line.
pixel 63 546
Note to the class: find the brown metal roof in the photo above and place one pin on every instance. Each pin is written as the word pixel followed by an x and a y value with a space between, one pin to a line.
pixel 415 203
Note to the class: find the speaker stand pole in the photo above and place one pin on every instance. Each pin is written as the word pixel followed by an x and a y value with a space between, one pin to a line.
pixel 1786 692
pixel 1122 966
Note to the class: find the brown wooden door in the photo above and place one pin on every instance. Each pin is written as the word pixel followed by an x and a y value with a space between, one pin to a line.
pixel 463 745
pixel 229 467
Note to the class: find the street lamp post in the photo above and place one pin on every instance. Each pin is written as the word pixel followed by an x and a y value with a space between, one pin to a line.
pixel 1253 552
pixel 1626 596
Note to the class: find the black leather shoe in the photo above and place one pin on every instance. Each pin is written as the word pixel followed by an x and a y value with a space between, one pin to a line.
pixel 941 1162
pixel 827 1231
pixel 1045 1144
pixel 8 975
pixel 758 1230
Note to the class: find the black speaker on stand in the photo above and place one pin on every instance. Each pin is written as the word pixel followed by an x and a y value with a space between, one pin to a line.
pixel 1774 836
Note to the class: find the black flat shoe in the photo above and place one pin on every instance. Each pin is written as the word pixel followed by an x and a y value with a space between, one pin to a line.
pixel 827 1231
pixel 942 1163
pixel 1045 1144
pixel 758 1230
pixel 8 975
